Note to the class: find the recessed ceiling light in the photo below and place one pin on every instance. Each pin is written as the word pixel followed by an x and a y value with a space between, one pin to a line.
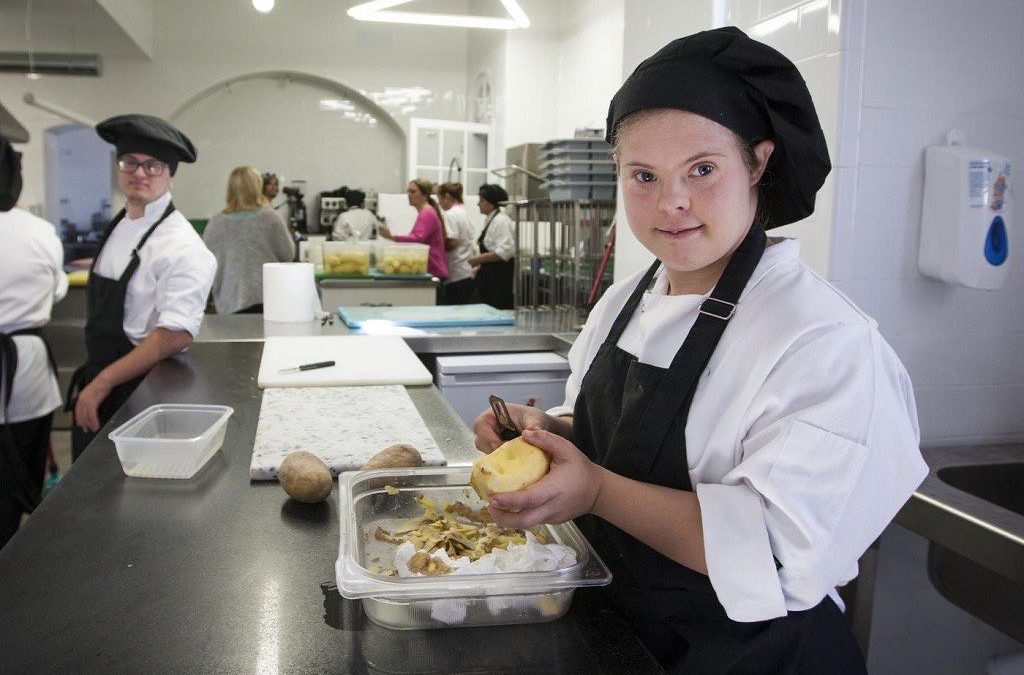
pixel 263 6
pixel 379 10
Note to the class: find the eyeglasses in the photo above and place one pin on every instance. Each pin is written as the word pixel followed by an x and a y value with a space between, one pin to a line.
pixel 152 167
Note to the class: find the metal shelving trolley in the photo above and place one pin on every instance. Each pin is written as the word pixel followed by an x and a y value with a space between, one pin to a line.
pixel 563 257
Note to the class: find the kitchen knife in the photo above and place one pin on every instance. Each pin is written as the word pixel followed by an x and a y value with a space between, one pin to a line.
pixel 308 366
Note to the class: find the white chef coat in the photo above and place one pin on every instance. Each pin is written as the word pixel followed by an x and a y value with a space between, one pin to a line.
pixel 500 237
pixel 356 224
pixel 31 279
pixel 802 438
pixel 457 224
pixel 176 270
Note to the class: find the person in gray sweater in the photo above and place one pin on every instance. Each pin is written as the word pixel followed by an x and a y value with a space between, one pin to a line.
pixel 243 236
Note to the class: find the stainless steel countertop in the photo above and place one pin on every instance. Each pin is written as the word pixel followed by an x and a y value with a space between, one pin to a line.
pixel 532 332
pixel 973 527
pixel 220 574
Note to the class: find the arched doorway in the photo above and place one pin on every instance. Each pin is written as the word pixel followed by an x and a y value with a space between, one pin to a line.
pixel 299 126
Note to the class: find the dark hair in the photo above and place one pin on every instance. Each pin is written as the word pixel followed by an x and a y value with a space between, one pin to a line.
pixel 453 190
pixel 355 198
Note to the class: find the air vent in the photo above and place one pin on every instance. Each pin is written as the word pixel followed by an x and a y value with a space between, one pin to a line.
pixel 51 64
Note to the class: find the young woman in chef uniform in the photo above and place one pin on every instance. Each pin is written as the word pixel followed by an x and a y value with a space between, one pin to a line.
pixel 736 432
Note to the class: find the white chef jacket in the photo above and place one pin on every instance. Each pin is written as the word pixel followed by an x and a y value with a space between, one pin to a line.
pixel 31 279
pixel 176 270
pixel 802 438
pixel 356 224
pixel 458 226
pixel 500 237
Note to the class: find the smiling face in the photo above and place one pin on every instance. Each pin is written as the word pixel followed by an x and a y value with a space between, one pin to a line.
pixel 690 193
pixel 138 186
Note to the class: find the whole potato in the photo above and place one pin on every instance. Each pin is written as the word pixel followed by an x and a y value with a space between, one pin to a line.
pixel 305 477
pixel 393 457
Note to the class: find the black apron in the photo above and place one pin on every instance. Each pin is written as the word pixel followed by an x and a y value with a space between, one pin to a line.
pixel 493 284
pixel 105 339
pixel 630 417
pixel 14 477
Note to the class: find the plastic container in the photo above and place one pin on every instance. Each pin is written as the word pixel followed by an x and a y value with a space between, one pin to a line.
pixel 530 378
pixel 444 601
pixel 395 257
pixel 170 440
pixel 576 144
pixel 567 154
pixel 346 258
pixel 560 191
pixel 575 166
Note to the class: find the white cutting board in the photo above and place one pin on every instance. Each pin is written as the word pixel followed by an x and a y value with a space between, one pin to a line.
pixel 360 360
pixel 343 426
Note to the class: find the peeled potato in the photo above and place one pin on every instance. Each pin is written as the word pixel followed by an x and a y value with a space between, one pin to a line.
pixel 511 466
pixel 393 457
pixel 305 477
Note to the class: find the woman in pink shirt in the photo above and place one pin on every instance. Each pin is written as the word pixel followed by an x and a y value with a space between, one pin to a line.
pixel 429 227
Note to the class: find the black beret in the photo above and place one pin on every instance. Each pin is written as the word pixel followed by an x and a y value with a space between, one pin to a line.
pixel 147 135
pixel 493 193
pixel 749 88
pixel 10 175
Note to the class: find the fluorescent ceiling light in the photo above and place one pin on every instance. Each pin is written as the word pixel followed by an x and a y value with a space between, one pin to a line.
pixel 263 5
pixel 379 10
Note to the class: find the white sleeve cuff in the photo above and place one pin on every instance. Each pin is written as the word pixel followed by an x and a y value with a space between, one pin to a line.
pixel 560 410
pixel 738 554
pixel 177 322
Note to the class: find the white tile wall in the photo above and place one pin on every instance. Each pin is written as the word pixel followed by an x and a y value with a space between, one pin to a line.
pixel 912 70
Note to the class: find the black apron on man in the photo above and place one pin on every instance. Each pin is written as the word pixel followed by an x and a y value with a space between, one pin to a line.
pixel 105 339
pixel 493 283
pixel 630 417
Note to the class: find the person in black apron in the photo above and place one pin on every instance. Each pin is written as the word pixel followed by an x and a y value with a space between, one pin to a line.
pixel 496 274
pixel 25 442
pixel 620 463
pixel 148 149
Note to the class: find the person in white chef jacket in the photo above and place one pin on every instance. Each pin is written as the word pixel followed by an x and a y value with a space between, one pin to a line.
pixel 149 282
pixel 736 432
pixel 31 279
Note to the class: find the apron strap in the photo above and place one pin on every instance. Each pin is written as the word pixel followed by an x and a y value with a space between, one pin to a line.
pixel 622 320
pixel 700 343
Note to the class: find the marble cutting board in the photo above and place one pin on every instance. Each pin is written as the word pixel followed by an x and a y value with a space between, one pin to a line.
pixel 344 426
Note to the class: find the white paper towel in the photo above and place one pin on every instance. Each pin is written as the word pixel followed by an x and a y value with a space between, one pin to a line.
pixel 289 292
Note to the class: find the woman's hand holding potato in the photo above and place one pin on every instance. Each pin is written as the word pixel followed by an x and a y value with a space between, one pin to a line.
pixel 486 425
pixel 570 489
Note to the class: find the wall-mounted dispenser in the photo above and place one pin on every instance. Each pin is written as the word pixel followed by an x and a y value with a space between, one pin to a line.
pixel 967 215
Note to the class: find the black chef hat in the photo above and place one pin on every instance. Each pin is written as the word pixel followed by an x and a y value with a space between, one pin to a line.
pixel 493 193
pixel 749 88
pixel 147 135
pixel 10 175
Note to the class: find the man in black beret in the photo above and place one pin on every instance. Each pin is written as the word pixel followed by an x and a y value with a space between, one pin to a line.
pixel 31 279
pixel 150 280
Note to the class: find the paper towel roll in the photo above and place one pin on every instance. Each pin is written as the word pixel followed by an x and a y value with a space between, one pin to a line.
pixel 289 292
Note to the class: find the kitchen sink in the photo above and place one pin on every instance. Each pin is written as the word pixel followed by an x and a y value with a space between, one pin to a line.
pixel 999 484
pixel 968 562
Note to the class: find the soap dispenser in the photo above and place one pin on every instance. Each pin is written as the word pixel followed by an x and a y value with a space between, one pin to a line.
pixel 966 216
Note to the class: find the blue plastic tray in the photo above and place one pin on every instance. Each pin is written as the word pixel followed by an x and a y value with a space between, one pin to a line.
pixel 439 316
